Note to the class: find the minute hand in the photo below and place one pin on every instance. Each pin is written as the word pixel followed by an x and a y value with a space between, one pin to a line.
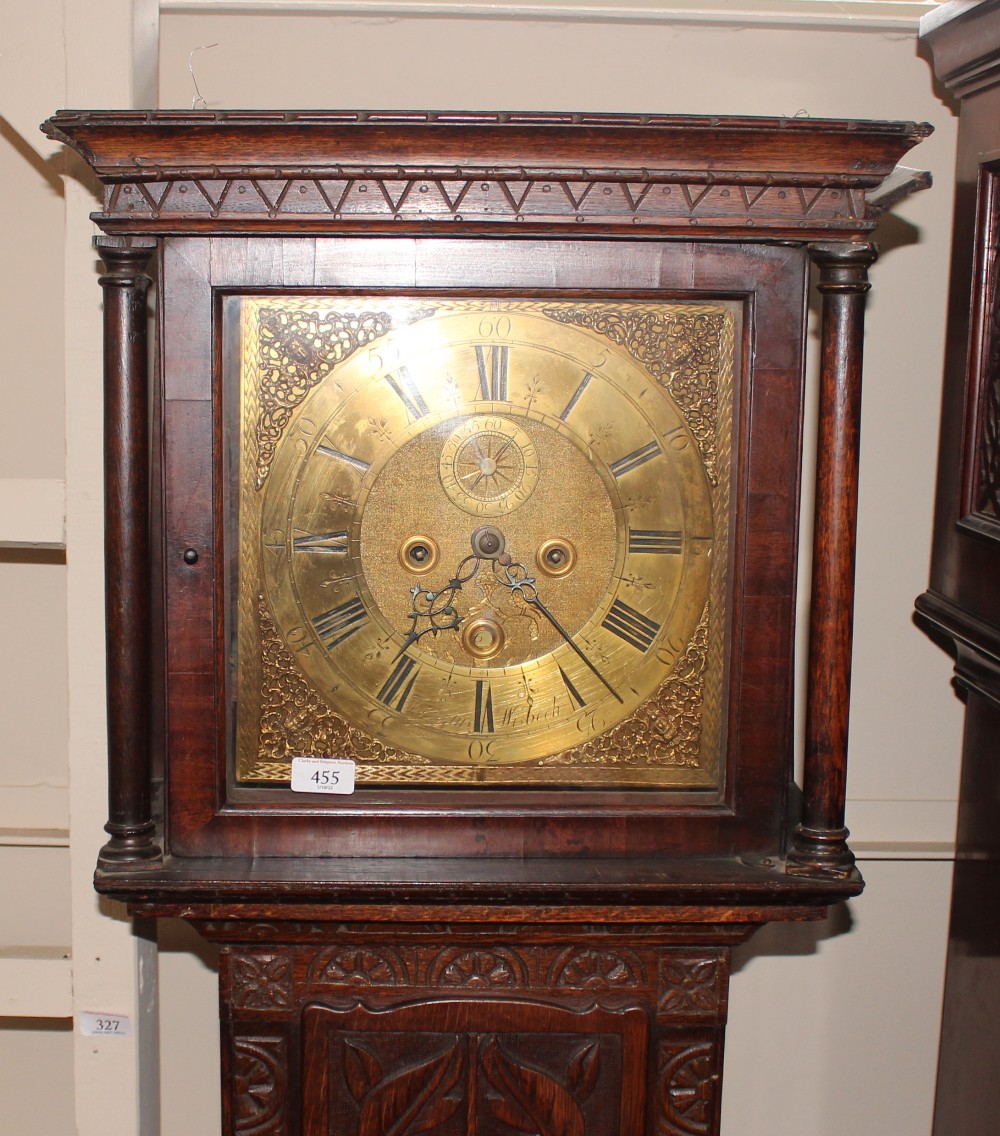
pixel 527 592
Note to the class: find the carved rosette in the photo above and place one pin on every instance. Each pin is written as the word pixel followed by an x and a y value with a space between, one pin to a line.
pixel 691 988
pixel 476 968
pixel 259 1084
pixel 358 967
pixel 595 969
pixel 261 981
pixel 688 1081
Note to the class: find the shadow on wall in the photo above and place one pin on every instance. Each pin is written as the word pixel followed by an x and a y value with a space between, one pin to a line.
pixel 794 939
pixel 52 168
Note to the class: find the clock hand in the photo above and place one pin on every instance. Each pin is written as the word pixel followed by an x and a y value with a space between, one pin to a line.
pixel 487 544
pixel 524 586
pixel 437 607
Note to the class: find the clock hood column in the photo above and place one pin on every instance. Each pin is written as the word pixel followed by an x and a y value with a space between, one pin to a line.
pixel 126 549
pixel 819 844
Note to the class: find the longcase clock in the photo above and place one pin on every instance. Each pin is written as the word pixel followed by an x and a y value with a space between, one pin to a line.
pixel 460 651
pixel 961 608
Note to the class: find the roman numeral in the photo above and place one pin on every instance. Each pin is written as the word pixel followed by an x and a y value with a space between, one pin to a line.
pixel 396 688
pixel 668 541
pixel 483 723
pixel 340 623
pixel 577 394
pixel 359 465
pixel 636 458
pixel 492 373
pixel 323 543
pixel 574 694
pixel 409 393
pixel 636 629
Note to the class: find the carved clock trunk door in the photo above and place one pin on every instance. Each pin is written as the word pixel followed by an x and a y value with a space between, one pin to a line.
pixel 471 593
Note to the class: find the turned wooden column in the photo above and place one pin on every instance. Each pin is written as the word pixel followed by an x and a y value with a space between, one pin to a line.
pixel 126 549
pixel 819 843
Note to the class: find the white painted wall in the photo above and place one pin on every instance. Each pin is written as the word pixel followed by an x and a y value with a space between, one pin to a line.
pixel 852 1002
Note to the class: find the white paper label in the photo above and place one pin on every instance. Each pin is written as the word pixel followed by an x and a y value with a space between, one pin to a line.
pixel 322 775
pixel 104 1025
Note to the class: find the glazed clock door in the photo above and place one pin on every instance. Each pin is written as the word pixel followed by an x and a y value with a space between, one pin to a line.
pixel 527 549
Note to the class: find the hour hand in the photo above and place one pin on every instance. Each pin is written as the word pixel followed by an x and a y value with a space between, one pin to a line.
pixel 434 611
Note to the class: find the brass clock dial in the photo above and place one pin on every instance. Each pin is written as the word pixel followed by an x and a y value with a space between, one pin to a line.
pixel 484 540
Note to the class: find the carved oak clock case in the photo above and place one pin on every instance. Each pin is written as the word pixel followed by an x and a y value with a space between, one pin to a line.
pixel 475 482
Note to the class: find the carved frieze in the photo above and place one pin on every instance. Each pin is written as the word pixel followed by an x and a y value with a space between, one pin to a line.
pixel 532 197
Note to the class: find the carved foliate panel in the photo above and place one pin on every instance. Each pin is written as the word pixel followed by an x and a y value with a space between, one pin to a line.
pixel 462 1067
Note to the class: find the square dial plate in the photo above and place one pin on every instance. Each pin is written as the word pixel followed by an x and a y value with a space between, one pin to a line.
pixel 480 542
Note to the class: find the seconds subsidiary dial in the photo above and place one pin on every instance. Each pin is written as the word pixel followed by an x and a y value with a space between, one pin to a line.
pixel 486 536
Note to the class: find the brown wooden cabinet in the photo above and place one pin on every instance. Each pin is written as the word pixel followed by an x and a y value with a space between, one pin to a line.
pixel 475 482
pixel 961 608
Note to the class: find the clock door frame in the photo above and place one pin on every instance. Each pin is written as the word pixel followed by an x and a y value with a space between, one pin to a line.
pixel 212 816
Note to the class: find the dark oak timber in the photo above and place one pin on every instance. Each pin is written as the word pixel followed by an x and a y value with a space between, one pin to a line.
pixel 961 608
pixel 126 556
pixel 820 841
pixel 554 957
